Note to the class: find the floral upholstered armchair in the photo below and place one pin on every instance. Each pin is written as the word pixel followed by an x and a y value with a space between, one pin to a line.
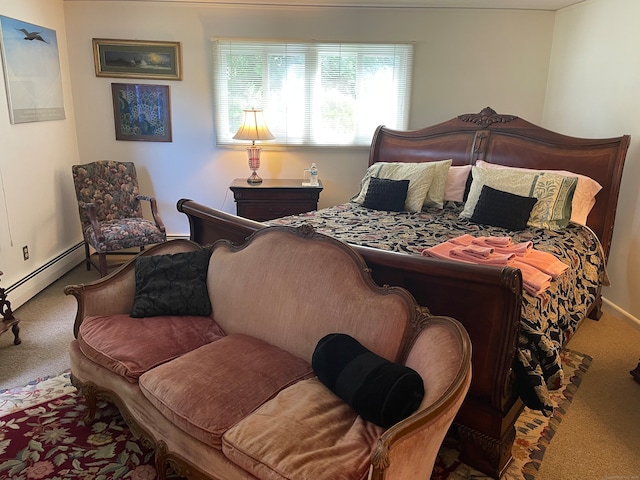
pixel 111 210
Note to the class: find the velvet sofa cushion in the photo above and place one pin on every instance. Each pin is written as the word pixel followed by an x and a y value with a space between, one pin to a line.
pixel 210 389
pixel 380 391
pixel 172 284
pixel 304 432
pixel 131 346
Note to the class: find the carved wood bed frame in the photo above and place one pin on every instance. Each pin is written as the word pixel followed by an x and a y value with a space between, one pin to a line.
pixel 486 300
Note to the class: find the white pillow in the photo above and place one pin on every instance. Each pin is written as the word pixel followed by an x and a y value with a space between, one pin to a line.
pixel 420 176
pixel 456 183
pixel 554 193
pixel 584 198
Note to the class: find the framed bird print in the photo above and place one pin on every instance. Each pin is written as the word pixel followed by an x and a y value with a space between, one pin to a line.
pixel 137 59
pixel 31 71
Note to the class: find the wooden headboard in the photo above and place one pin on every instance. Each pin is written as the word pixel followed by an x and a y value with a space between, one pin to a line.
pixel 512 141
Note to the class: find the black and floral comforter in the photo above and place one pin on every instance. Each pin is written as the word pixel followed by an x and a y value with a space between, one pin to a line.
pixel 548 320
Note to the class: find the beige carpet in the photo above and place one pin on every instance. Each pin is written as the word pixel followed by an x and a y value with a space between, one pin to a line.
pixel 599 438
pixel 46 328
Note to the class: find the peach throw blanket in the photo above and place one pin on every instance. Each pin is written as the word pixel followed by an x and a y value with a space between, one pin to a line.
pixel 538 268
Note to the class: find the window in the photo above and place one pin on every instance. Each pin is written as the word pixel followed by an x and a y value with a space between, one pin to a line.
pixel 312 93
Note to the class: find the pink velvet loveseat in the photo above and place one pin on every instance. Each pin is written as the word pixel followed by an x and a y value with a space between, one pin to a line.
pixel 229 391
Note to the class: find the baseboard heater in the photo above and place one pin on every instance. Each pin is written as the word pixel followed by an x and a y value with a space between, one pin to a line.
pixel 44 267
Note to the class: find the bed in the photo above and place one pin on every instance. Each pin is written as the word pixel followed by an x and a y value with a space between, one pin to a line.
pixel 517 333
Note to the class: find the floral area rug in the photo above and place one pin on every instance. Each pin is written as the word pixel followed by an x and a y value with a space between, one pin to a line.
pixel 534 431
pixel 42 435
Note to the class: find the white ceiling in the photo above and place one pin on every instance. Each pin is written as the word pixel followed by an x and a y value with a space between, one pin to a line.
pixel 552 5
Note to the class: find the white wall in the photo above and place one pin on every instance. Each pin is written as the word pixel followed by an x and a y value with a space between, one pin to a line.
pixel 594 77
pixel 37 206
pixel 464 61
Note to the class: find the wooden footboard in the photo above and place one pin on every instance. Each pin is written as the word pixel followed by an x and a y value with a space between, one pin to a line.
pixel 486 300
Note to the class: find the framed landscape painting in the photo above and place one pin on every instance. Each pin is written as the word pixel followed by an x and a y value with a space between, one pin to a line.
pixel 31 71
pixel 137 59
pixel 141 112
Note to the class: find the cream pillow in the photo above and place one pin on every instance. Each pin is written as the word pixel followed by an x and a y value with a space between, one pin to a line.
pixel 584 198
pixel 439 173
pixel 420 176
pixel 554 193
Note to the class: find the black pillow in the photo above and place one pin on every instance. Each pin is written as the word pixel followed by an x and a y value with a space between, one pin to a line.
pixel 172 284
pixel 380 391
pixel 386 194
pixel 502 209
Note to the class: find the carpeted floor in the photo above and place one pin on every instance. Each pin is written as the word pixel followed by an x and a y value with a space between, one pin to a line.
pixel 42 435
pixel 598 437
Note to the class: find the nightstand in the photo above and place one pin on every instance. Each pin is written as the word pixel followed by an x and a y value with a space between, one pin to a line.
pixel 274 198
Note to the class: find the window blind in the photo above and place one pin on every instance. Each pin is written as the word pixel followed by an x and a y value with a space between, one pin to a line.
pixel 312 93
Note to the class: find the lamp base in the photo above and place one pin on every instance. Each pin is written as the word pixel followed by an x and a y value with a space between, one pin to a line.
pixel 253 153
pixel 254 179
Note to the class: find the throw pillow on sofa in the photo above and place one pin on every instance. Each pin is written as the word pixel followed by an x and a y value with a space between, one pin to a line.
pixel 172 284
pixel 380 391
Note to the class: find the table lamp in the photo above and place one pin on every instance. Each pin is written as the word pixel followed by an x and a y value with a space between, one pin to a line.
pixel 253 128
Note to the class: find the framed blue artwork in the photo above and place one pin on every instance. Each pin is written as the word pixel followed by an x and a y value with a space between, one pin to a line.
pixel 31 71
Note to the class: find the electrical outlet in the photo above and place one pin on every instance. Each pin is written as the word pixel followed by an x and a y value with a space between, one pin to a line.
pixel 25 252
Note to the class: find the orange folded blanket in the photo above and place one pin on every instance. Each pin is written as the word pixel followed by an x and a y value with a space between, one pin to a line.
pixel 533 280
pixel 538 268
pixel 451 251
pixel 545 262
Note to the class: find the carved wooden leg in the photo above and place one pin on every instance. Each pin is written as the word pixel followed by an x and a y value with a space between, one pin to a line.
pixel 87 256
pixel 89 393
pixel 102 261
pixel 16 334
pixel 596 311
pixel 161 460
pixel 486 454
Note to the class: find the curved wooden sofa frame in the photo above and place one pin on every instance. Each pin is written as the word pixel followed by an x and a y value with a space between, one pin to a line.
pixel 438 347
pixel 486 300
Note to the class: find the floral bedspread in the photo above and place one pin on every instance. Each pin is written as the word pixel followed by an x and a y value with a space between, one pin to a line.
pixel 548 320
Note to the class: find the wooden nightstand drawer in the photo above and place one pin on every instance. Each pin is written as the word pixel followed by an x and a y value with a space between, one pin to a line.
pixel 262 213
pixel 274 198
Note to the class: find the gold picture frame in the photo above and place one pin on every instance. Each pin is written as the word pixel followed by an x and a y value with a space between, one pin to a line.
pixel 137 59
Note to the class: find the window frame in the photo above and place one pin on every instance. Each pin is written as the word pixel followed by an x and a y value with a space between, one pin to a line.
pixel 400 71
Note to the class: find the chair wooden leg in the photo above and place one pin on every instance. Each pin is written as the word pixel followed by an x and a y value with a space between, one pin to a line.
pixel 102 260
pixel 87 255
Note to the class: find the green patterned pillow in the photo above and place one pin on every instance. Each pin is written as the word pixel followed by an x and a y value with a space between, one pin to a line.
pixel 554 193
pixel 420 176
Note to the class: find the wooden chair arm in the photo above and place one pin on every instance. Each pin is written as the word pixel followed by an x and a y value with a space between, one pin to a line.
pixel 91 212
pixel 154 211
pixel 114 294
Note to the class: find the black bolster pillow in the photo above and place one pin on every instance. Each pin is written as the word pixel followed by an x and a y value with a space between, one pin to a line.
pixel 380 391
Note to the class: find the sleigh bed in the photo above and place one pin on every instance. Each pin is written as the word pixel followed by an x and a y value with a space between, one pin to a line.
pixel 517 334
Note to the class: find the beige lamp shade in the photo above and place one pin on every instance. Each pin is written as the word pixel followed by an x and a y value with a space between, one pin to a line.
pixel 253 127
